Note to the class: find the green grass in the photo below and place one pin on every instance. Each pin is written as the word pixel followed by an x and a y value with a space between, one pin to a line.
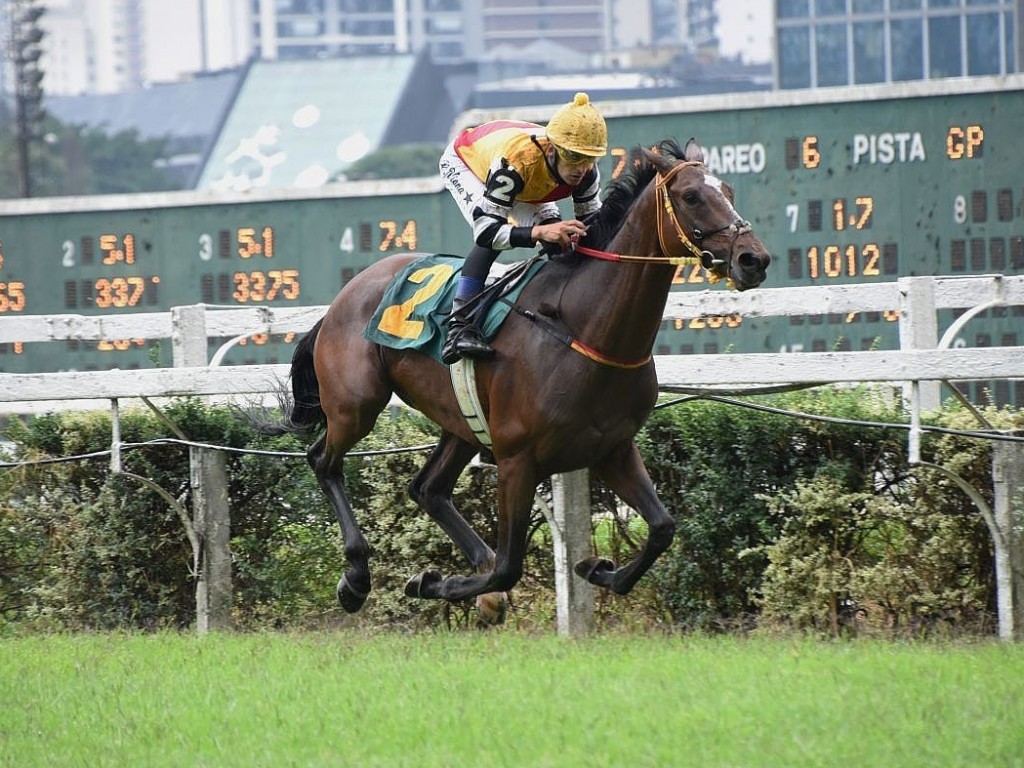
pixel 505 699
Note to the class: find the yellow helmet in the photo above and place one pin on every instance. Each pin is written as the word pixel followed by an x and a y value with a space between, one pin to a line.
pixel 578 127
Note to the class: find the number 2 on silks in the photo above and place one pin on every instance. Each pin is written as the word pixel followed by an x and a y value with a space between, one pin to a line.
pixel 395 320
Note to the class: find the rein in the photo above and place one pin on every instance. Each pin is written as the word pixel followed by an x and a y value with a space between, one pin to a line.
pixel 700 257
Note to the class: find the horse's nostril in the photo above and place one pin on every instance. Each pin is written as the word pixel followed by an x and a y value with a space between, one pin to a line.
pixel 747 262
pixel 752 262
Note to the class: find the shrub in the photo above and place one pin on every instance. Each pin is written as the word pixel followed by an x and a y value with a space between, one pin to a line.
pixel 717 466
pixel 903 552
pixel 785 522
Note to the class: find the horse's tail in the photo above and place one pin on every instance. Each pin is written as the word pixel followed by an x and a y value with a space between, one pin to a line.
pixel 303 414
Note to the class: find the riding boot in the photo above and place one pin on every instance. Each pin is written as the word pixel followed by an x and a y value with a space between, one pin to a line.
pixel 464 338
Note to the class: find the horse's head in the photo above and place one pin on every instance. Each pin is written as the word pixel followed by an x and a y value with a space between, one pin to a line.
pixel 696 216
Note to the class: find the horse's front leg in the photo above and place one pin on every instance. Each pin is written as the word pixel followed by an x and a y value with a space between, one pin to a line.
pixel 516 485
pixel 624 473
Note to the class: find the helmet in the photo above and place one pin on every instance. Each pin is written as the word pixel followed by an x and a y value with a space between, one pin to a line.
pixel 578 127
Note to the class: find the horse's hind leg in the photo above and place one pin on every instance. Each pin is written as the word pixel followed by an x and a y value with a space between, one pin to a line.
pixel 432 490
pixel 516 484
pixel 354 585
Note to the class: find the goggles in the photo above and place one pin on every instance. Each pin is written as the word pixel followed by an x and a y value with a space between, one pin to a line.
pixel 573 158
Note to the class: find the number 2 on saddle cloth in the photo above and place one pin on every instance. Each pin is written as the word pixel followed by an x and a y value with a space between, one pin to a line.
pixel 413 313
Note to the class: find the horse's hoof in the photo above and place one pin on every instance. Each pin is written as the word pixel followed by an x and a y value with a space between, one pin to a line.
pixel 421 585
pixel 351 599
pixel 596 570
pixel 491 609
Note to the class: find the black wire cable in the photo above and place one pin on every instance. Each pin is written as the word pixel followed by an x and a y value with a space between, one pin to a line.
pixel 209 446
pixel 997 436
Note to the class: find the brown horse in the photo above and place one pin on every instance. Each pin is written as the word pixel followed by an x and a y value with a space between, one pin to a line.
pixel 570 385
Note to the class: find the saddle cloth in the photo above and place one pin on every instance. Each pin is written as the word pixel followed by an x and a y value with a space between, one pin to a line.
pixel 413 313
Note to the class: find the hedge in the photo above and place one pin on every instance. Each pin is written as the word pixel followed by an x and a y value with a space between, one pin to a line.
pixel 784 523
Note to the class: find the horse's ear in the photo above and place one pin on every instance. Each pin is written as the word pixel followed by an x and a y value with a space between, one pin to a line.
pixel 692 152
pixel 662 163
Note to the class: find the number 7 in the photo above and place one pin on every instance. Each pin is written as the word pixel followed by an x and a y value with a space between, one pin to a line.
pixel 793 214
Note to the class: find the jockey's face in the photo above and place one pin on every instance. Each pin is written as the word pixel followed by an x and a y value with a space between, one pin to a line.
pixel 572 167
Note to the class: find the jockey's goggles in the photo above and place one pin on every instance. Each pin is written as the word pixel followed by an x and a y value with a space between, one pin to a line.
pixel 573 158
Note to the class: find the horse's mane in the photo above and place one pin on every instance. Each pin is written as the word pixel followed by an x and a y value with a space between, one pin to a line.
pixel 623 192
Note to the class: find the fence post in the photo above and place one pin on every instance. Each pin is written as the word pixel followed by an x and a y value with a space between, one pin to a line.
pixel 211 520
pixel 1008 512
pixel 570 533
pixel 919 329
pixel 211 516
pixel 188 335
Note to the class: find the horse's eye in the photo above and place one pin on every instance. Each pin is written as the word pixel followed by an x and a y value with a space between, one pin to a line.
pixel 691 198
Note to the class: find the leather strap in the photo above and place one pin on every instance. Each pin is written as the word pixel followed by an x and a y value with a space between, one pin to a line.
pixel 463 373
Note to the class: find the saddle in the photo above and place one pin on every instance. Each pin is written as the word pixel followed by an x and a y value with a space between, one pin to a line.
pixel 414 310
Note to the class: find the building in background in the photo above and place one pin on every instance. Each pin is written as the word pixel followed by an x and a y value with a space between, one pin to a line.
pixel 452 31
pixel 114 46
pixel 93 46
pixel 198 36
pixel 108 46
pixel 701 26
pixel 495 54
pixel 855 42
pixel 111 46
pixel 462 31
pixel 745 30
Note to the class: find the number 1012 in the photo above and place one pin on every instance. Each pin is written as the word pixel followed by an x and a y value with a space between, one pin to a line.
pixel 839 261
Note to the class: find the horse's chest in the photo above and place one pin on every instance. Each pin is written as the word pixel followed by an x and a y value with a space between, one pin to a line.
pixel 595 416
pixel 574 415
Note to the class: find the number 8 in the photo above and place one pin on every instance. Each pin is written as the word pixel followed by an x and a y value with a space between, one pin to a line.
pixel 959 209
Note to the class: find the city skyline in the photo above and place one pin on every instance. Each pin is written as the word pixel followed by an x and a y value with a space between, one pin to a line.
pixel 98 46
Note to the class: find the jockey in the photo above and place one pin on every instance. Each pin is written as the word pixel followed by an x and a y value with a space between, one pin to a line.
pixel 506 177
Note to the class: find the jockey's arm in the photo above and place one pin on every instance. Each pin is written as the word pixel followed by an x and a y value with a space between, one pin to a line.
pixel 491 226
pixel 562 233
pixel 493 229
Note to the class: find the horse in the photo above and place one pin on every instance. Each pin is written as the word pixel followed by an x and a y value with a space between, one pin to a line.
pixel 570 385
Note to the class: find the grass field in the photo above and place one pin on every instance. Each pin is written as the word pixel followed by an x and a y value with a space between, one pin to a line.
pixel 505 699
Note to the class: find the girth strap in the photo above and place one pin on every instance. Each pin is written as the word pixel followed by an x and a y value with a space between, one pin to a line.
pixel 463 373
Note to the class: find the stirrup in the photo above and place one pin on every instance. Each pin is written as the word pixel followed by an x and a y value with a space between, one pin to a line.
pixel 464 341
pixel 471 344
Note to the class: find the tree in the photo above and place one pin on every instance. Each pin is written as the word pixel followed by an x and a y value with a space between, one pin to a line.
pixel 80 160
pixel 401 162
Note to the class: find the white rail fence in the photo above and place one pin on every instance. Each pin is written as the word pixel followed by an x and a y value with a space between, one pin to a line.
pixel 922 356
pixel 922 362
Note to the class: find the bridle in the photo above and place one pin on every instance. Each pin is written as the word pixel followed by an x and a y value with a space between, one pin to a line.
pixel 699 256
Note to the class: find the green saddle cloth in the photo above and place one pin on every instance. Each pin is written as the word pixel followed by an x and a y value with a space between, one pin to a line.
pixel 413 313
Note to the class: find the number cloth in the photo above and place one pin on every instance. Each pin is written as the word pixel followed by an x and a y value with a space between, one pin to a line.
pixel 413 313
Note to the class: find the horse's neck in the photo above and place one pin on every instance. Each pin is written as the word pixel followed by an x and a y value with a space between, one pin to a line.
pixel 625 301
